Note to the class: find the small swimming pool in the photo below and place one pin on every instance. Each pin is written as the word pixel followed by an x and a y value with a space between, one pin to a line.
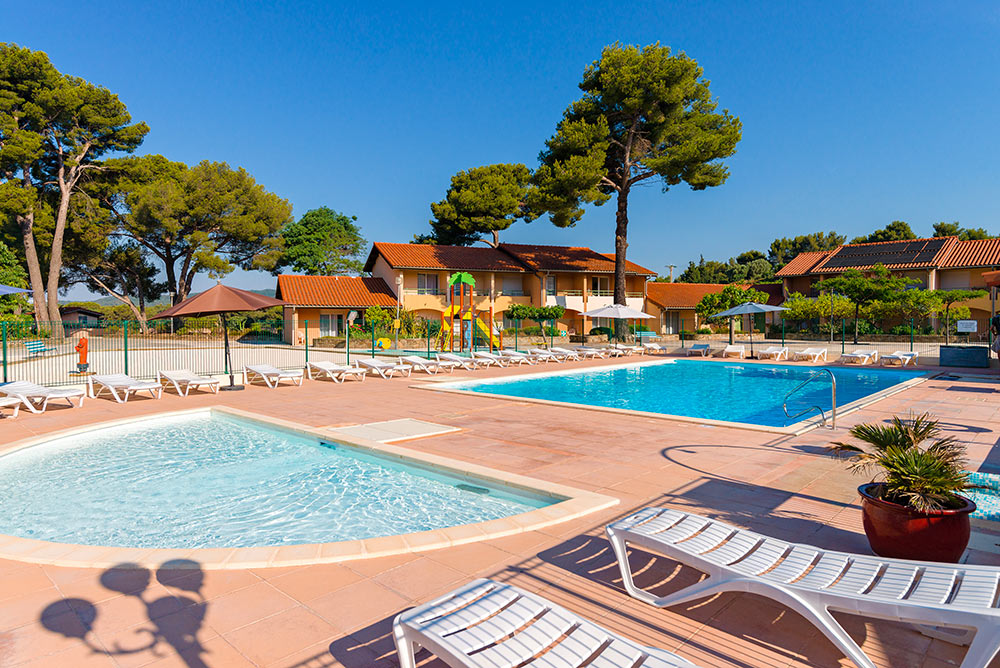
pixel 731 392
pixel 210 480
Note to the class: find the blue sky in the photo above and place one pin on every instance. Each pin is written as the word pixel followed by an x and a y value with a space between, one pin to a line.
pixel 854 114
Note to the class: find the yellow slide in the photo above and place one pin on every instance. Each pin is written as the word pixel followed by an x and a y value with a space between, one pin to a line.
pixel 486 330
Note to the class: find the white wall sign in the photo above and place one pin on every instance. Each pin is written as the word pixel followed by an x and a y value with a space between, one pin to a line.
pixel 966 326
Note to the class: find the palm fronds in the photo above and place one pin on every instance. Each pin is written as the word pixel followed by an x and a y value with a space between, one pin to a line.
pixel 921 477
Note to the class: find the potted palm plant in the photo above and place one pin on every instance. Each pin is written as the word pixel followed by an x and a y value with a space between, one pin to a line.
pixel 912 508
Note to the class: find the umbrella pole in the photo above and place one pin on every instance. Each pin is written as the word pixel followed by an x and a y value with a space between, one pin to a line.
pixel 229 362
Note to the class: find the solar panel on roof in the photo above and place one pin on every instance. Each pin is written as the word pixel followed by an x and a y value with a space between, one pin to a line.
pixel 921 251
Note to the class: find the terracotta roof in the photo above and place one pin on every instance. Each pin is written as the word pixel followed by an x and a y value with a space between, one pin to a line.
pixel 427 256
pixel 569 258
pixel 975 253
pixel 803 263
pixel 680 295
pixel 342 291
pixel 939 252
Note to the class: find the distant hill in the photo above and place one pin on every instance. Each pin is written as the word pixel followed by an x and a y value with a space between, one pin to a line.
pixel 111 301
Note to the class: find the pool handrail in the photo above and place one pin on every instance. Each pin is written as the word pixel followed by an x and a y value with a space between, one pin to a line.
pixel 822 413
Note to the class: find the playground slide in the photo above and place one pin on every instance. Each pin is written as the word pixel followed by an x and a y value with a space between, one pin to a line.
pixel 486 330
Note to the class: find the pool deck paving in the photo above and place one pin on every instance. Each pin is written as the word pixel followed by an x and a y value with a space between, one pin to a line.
pixel 315 616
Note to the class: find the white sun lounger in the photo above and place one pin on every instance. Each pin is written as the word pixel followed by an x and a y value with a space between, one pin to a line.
pixel 811 354
pixel 738 349
pixel 466 363
pixel 902 356
pixel 513 356
pixel 654 347
pixel 587 351
pixel 11 402
pixel 335 372
pixel 570 354
pixel 183 380
pixel 489 359
pixel 774 352
pixel 271 375
pixel 121 386
pixel 812 581
pixel 385 369
pixel 543 355
pixel 487 624
pixel 430 366
pixel 629 350
pixel 860 356
pixel 702 349
pixel 36 397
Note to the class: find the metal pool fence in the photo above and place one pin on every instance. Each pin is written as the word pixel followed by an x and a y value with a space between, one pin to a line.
pixel 48 354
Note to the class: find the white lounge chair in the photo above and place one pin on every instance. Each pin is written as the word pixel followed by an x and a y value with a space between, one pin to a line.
pixel 487 624
pixel 587 351
pixel 860 356
pixel 385 369
pixel 738 350
pixel 902 356
pixel 702 349
pixel 121 386
pixel 466 363
pixel 335 372
pixel 543 355
pixel 10 402
pixel 430 366
pixel 183 380
pixel 570 354
pixel 614 351
pixel 489 359
pixel 813 582
pixel 629 350
pixel 654 347
pixel 271 375
pixel 36 397
pixel 811 354
pixel 514 356
pixel 774 352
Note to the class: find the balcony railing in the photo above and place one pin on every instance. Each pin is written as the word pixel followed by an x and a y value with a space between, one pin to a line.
pixel 512 293
pixel 611 293
pixel 425 291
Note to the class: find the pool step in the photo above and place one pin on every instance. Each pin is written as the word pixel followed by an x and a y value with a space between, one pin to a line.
pixel 391 431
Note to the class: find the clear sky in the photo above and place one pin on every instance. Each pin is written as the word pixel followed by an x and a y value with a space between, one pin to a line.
pixel 854 114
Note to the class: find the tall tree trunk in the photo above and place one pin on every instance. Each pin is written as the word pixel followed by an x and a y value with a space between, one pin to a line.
pixel 857 311
pixel 55 260
pixel 27 225
pixel 621 245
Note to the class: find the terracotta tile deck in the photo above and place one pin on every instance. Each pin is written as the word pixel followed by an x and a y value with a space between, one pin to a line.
pixel 341 614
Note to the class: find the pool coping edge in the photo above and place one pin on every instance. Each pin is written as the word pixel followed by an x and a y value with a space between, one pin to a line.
pixel 573 503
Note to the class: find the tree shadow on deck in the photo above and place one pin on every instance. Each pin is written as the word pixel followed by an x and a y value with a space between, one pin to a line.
pixel 170 623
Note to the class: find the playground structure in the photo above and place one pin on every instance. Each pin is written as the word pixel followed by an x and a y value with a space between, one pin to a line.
pixel 468 321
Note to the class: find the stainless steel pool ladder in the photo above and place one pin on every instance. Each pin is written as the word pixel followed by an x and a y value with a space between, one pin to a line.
pixel 822 413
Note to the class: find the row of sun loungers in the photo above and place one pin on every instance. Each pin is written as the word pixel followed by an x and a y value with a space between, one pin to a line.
pixel 778 353
pixel 488 623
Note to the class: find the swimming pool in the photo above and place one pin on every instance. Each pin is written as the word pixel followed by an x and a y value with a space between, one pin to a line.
pixel 210 480
pixel 731 392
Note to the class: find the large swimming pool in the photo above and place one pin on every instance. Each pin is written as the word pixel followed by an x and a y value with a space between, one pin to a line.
pixel 210 480
pixel 731 392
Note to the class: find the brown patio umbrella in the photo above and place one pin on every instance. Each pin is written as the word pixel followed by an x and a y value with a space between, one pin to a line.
pixel 221 300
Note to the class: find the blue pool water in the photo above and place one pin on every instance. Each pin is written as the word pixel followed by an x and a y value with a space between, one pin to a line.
pixel 987 497
pixel 217 481
pixel 734 392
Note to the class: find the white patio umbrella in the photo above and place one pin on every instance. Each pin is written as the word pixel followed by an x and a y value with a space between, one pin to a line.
pixel 618 312
pixel 750 308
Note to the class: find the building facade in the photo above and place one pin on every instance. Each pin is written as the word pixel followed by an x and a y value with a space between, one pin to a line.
pixel 938 263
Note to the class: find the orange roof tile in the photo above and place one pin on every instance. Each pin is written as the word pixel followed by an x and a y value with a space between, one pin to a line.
pixel 334 291
pixel 803 263
pixel 680 295
pixel 974 253
pixel 427 256
pixel 569 258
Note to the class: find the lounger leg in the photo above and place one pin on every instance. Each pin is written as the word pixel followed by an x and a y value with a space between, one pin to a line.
pixel 405 649
pixel 834 632
pixel 985 646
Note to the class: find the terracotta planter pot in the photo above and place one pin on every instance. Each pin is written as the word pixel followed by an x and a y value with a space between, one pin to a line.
pixel 899 532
